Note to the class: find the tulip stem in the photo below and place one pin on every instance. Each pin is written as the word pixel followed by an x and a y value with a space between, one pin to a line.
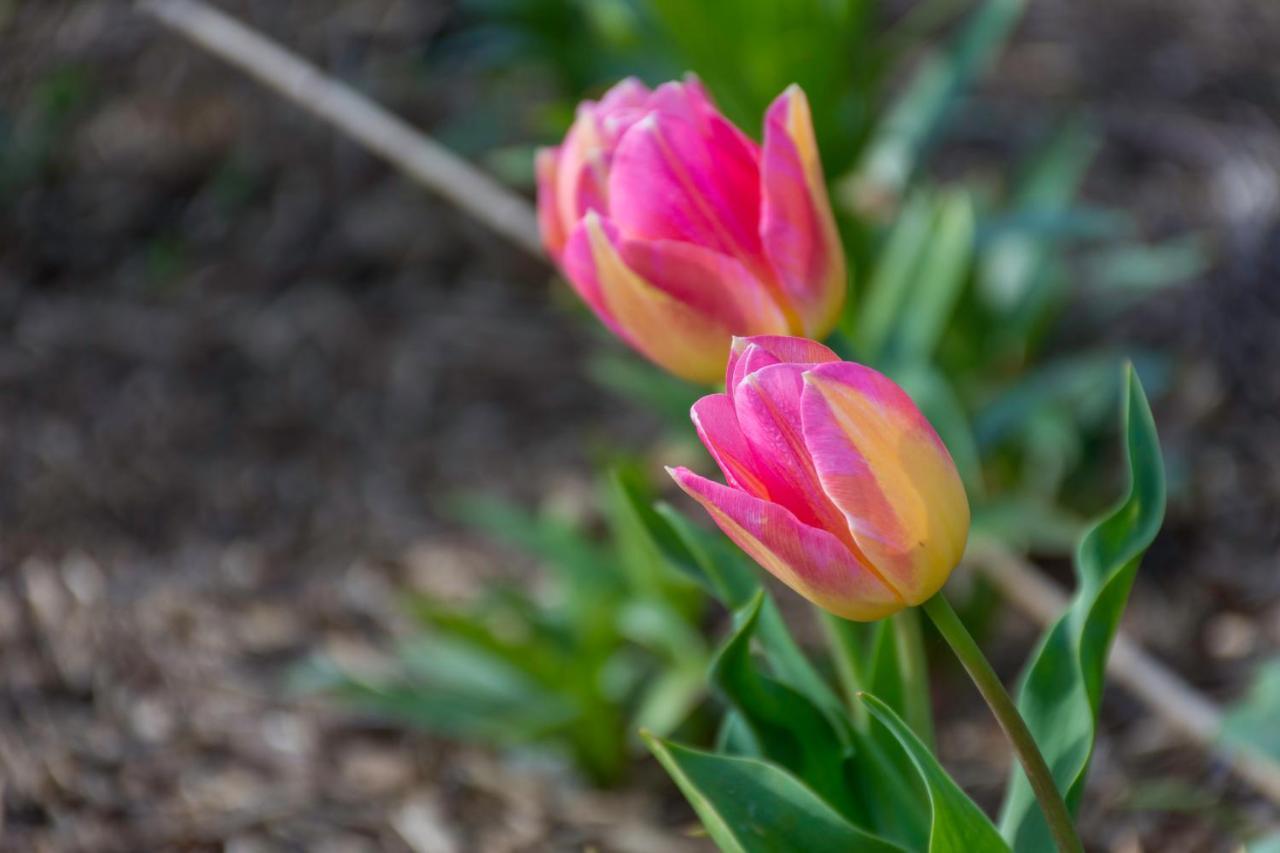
pixel 908 643
pixel 1006 713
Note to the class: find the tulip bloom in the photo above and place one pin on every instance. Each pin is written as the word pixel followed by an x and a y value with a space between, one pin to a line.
pixel 680 232
pixel 835 482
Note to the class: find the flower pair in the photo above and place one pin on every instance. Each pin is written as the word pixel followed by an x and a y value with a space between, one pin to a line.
pixel 697 246
pixel 680 232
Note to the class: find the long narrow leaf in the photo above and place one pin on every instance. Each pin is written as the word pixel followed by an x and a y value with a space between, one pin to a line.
pixel 958 825
pixel 751 806
pixel 1062 686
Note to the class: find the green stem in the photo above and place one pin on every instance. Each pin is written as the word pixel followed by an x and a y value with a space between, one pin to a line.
pixel 1015 728
pixel 909 645
pixel 848 673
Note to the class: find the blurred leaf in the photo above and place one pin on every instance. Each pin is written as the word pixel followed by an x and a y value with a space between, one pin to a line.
pixel 942 273
pixel 1266 844
pixel 1062 685
pixel 668 700
pixel 958 825
pixel 891 279
pixel 1028 524
pixel 574 559
pixel 748 51
pixel 751 806
pixel 730 578
pixel 901 137
pixel 1254 722
pixel 460 691
pixel 1054 224
pixel 1136 270
pixel 735 738
pixel 1013 273
pixel 650 388
pixel 1081 385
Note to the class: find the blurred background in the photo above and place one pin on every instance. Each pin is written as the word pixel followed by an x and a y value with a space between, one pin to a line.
pixel 257 390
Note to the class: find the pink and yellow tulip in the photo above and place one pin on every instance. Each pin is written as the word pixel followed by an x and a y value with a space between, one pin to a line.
pixel 680 232
pixel 834 480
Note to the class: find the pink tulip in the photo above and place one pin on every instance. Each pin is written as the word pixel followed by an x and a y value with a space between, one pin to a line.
pixel 680 232
pixel 834 480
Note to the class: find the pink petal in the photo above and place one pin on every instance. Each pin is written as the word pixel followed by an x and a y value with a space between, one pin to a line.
pixel 883 465
pixel 673 334
pixel 711 283
pixel 581 173
pixel 622 106
pixel 747 355
pixel 717 426
pixel 797 228
pixel 767 403
pixel 690 179
pixel 550 225
pixel 579 265
pixel 810 561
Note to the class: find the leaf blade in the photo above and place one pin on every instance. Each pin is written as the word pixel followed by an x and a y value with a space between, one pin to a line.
pixel 1062 685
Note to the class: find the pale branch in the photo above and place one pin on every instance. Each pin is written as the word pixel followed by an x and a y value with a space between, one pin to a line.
pixel 395 140
pixel 1178 704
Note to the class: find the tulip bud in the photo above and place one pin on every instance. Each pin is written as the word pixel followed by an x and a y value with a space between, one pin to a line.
pixel 834 480
pixel 680 232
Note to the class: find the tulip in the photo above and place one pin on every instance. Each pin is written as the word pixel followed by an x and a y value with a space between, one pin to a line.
pixel 834 480
pixel 680 232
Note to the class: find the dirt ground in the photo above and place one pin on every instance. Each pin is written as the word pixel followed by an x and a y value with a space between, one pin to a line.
pixel 242 364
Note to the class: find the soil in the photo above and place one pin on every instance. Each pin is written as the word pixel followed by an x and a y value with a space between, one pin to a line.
pixel 243 365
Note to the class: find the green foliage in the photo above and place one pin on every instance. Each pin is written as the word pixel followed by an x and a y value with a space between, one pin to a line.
pixel 957 825
pixel 789 729
pixel 752 806
pixel 613 648
pixel 1062 685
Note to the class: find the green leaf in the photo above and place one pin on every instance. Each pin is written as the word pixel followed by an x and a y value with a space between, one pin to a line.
pixel 792 730
pixel 1083 385
pixel 1062 686
pixel 900 139
pixel 722 569
pixel 576 561
pixel 1266 844
pixel 871 321
pixel 1013 263
pixel 752 806
pixel 958 825
pixel 453 689
pixel 648 387
pixel 942 273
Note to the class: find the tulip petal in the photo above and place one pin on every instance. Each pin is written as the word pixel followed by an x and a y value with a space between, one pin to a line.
pixel 767 403
pixel 550 226
pixel 713 284
pixel 797 228
pixel 695 180
pixel 717 426
pixel 622 106
pixel 581 171
pixel 674 335
pixel 883 465
pixel 810 561
pixel 579 265
pixel 752 353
